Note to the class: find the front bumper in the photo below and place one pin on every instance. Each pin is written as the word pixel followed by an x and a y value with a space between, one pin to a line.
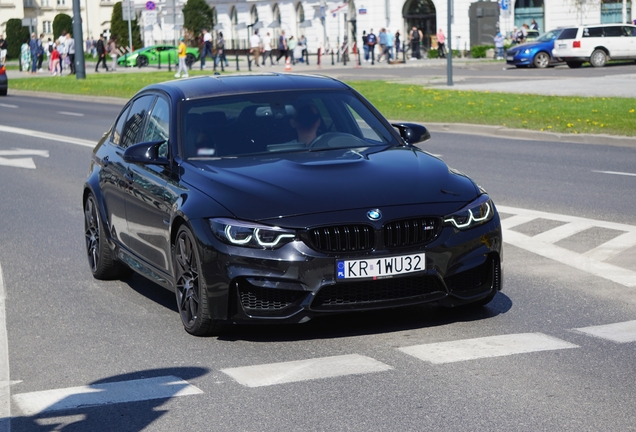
pixel 295 283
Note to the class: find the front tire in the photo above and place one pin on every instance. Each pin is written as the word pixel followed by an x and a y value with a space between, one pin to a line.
pixel 192 294
pixel 190 60
pixel 598 58
pixel 142 61
pixel 541 60
pixel 100 256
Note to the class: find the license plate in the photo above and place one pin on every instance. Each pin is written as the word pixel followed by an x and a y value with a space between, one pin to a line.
pixel 380 267
pixel 510 57
pixel 563 45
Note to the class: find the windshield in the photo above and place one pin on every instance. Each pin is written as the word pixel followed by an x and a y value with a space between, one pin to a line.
pixel 278 122
pixel 549 36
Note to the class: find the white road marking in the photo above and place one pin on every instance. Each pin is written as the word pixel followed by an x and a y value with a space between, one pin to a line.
pixel 71 113
pixel 304 370
pixel 24 152
pixel 21 162
pixel 590 261
pixel 18 162
pixel 615 173
pixel 100 394
pixel 620 332
pixel 8 106
pixel 486 347
pixel 48 136
pixel 5 384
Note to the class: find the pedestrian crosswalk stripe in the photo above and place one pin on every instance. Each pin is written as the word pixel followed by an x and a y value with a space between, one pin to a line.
pixel 612 247
pixel 485 347
pixel 304 370
pixel 101 394
pixel 619 332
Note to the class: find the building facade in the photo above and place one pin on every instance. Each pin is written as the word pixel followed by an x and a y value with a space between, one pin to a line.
pixel 328 23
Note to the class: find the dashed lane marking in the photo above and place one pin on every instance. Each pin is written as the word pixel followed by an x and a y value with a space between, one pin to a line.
pixel 486 347
pixel 68 113
pixel 101 394
pixel 616 173
pixel 591 261
pixel 619 332
pixel 48 136
pixel 304 370
pixel 5 384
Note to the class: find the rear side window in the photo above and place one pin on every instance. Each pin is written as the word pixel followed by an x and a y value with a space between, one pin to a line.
pixel 614 31
pixel 568 33
pixel 593 32
pixel 630 31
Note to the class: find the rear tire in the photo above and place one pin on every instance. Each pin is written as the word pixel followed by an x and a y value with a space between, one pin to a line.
pixel 598 58
pixel 574 64
pixel 100 256
pixel 541 60
pixel 190 60
pixel 193 301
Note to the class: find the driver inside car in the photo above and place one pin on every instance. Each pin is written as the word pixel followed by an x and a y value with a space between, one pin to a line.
pixel 306 121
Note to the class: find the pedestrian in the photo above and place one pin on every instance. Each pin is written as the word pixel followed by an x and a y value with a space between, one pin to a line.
pixel 291 44
pixel 441 42
pixel 383 43
pixel 534 25
pixel 372 40
pixel 101 53
pixel 298 53
pixel 61 47
pixel 55 61
pixel 282 46
pixel 499 46
pixel 181 52
pixel 207 47
pixel 397 43
pixel 49 51
pixel 255 47
pixel 303 41
pixel 390 40
pixel 3 49
pixel 365 45
pixel 113 52
pixel 267 49
pixel 70 52
pixel 41 52
pixel 33 47
pixel 415 43
pixel 220 51
pixel 25 56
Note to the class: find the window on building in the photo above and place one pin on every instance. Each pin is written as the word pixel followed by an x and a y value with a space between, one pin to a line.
pixel 612 11
pixel 61 2
pixel 47 27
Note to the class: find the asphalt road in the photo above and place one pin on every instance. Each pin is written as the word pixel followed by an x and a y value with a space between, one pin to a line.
pixel 68 331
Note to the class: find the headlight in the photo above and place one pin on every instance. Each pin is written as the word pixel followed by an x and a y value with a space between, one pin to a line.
pixel 476 213
pixel 246 234
pixel 527 51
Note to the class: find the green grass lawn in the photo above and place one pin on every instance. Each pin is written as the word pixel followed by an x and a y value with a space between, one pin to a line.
pixel 615 116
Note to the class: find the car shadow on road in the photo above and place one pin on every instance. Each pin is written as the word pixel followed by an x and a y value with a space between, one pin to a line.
pixel 127 402
pixel 368 323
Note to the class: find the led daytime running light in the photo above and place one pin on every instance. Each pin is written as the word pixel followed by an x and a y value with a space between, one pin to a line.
pixel 270 244
pixel 471 218
pixel 232 239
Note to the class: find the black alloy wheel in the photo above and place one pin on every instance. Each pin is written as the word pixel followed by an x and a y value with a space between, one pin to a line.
pixel 191 292
pixel 190 59
pixel 100 256
pixel 142 61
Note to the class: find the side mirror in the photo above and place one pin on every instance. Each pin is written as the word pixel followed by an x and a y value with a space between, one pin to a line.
pixel 412 133
pixel 145 153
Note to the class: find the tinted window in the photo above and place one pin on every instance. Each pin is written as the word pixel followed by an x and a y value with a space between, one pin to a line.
pixel 593 32
pixel 569 33
pixel 551 35
pixel 138 112
pixel 279 122
pixel 116 137
pixel 613 31
pixel 159 125
pixel 630 31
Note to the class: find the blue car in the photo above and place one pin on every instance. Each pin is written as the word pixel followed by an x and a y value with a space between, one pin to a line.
pixel 537 53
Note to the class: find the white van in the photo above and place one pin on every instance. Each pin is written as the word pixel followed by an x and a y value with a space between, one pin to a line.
pixel 595 44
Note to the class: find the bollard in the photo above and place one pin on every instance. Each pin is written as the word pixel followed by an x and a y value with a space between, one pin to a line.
pixel 249 62
pixel 307 55
pixel 332 63
pixel 319 52
pixel 169 62
pixel 359 64
pixel 159 62
pixel 344 58
pixel 237 64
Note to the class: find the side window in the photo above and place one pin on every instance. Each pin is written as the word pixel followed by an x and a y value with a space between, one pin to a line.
pixel 119 126
pixel 629 31
pixel 613 31
pixel 158 126
pixel 593 32
pixel 134 122
pixel 568 33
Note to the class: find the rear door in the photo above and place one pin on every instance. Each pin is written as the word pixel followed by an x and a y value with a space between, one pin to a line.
pixel 630 41
pixel 616 41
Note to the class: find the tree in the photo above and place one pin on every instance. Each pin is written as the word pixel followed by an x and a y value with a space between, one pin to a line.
pixel 197 15
pixel 62 22
pixel 119 28
pixel 16 35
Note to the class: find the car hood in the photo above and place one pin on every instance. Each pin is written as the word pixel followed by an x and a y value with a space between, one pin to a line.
pixel 532 45
pixel 282 185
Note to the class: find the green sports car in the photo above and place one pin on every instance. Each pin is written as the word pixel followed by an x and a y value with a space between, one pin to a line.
pixel 157 54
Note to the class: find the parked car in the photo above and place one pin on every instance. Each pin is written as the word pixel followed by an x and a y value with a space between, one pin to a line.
pixel 4 81
pixel 537 53
pixel 278 197
pixel 595 44
pixel 156 54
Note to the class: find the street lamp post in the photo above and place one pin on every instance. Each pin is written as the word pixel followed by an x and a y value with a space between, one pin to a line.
pixel 80 69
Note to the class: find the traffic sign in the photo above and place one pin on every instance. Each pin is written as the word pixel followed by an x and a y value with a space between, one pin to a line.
pixel 150 5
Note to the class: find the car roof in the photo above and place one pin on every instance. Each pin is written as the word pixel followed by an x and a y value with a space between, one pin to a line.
pixel 223 85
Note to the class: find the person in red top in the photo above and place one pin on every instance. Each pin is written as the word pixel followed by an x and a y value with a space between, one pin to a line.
pixel 55 61
pixel 441 39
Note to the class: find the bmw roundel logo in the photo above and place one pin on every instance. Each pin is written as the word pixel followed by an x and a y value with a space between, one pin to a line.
pixel 374 214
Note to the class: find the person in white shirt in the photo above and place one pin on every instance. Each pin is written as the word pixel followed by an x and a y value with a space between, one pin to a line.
pixel 207 47
pixel 255 47
pixel 267 49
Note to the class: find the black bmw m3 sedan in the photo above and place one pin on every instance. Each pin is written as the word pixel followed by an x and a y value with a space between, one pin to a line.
pixel 279 197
